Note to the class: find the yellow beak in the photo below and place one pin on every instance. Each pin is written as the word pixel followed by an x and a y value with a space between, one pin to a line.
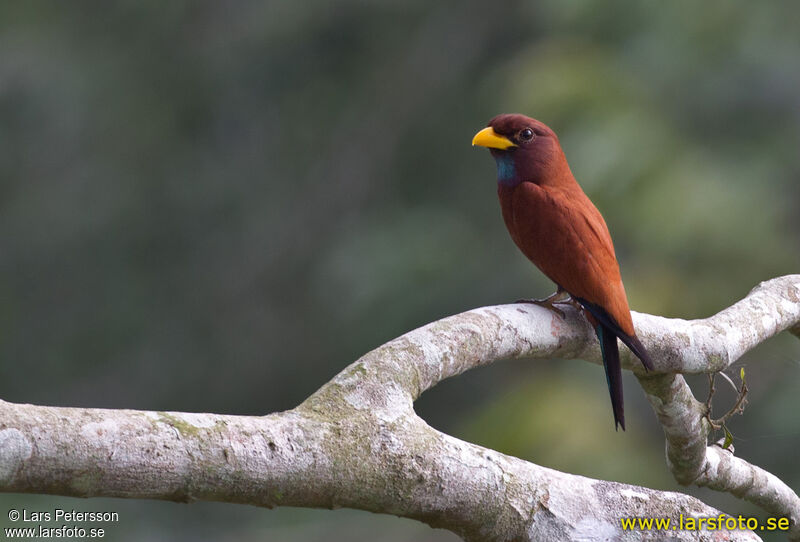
pixel 489 138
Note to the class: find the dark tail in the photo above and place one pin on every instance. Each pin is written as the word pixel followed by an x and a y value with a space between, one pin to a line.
pixel 610 351
pixel 631 341
pixel 607 331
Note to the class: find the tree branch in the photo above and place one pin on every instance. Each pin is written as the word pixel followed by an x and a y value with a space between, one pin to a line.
pixel 357 442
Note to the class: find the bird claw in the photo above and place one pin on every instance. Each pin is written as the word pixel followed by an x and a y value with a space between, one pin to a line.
pixel 547 303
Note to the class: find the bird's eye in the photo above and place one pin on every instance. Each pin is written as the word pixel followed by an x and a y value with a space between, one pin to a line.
pixel 526 134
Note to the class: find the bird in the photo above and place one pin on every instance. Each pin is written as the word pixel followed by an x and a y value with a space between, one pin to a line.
pixel 559 229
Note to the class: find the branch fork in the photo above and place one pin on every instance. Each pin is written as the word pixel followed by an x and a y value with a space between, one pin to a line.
pixel 358 443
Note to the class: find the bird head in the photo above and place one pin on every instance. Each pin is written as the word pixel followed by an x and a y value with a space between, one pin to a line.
pixel 525 149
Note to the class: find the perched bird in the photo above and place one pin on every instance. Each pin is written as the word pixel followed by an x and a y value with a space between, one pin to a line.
pixel 558 228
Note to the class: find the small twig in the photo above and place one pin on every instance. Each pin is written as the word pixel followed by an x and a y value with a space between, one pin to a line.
pixel 711 390
pixel 737 408
pixel 730 381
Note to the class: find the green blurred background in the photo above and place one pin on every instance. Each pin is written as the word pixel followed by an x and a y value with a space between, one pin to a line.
pixel 210 206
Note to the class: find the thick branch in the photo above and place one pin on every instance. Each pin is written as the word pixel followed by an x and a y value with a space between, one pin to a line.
pixel 358 443
pixel 386 461
pixel 773 306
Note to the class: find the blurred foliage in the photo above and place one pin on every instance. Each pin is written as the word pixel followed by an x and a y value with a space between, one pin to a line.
pixel 216 207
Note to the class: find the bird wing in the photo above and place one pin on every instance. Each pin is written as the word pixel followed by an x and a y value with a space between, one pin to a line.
pixel 564 235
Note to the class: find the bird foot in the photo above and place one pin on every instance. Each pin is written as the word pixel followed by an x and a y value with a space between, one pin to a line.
pixel 560 297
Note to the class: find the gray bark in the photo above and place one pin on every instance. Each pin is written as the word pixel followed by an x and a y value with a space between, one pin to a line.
pixel 358 443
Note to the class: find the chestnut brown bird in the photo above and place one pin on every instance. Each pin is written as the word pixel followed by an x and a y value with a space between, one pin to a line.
pixel 559 229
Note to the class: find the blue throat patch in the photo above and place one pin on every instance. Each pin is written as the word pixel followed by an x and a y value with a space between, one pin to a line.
pixel 506 172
